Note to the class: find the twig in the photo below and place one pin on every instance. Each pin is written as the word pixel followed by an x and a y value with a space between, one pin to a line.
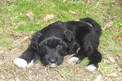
pixel 60 74
pixel 24 75
pixel 3 70
pixel 48 69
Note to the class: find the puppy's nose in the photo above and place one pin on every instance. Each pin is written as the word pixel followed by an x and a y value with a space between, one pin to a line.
pixel 52 60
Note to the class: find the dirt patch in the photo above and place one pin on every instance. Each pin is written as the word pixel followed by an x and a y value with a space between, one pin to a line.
pixel 38 72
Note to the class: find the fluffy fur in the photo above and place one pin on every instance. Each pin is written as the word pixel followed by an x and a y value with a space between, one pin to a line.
pixel 58 39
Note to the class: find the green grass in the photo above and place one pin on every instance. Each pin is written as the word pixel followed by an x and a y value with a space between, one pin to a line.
pixel 6 40
pixel 67 71
pixel 85 61
pixel 107 68
pixel 8 66
pixel 17 11
pixel 12 13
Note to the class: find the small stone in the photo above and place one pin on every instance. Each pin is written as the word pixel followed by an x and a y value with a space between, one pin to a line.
pixel 1 62
pixel 99 77
pixel 113 75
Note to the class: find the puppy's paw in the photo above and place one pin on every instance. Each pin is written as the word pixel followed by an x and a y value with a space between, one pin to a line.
pixel 91 67
pixel 22 63
pixel 30 64
pixel 78 20
pixel 73 60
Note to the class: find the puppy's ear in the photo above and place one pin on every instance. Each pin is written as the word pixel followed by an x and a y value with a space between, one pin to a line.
pixel 36 38
pixel 68 36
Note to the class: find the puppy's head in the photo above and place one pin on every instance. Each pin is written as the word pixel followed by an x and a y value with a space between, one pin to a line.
pixel 52 50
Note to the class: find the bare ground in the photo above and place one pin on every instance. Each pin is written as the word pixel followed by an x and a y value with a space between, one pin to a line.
pixel 38 72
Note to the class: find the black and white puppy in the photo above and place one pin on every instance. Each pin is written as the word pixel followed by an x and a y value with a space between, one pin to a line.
pixel 58 39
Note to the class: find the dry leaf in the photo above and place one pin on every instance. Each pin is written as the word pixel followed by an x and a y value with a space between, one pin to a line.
pixel 2 51
pixel 48 17
pixel 113 4
pixel 110 58
pixel 25 38
pixel 108 25
pixel 120 38
pixel 99 78
pixel 30 15
pixel 120 30
pixel 88 1
pixel 104 12
pixel 73 12
pixel 113 75
pixel 108 61
pixel 64 0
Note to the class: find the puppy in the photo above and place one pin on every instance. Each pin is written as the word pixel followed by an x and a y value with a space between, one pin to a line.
pixel 58 39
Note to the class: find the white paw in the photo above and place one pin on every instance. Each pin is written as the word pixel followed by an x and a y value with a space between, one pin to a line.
pixel 72 60
pixel 22 63
pixel 91 68
pixel 78 20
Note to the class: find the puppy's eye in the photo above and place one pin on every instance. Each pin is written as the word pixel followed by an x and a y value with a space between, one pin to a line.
pixel 43 47
pixel 59 46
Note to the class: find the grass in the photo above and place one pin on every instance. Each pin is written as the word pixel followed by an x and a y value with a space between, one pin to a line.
pixel 14 12
pixel 6 41
pixel 107 68
pixel 85 61
pixel 67 71
pixel 18 10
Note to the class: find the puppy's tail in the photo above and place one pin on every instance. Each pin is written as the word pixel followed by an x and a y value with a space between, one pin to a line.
pixel 95 25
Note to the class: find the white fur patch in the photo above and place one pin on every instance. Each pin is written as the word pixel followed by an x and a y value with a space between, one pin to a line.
pixel 72 60
pixel 53 65
pixel 78 20
pixel 30 64
pixel 91 68
pixel 22 63
pixel 77 50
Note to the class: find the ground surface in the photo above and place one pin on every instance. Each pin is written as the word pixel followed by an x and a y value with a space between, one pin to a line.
pixel 16 29
pixel 64 72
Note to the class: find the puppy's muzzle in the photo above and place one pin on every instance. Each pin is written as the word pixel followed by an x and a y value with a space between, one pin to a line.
pixel 53 62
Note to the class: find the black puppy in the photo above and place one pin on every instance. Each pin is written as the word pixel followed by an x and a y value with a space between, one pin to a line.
pixel 61 38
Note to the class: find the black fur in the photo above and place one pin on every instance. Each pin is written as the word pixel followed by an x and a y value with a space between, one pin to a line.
pixel 61 38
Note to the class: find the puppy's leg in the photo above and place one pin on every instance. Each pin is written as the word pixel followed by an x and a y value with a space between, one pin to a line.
pixel 74 59
pixel 77 58
pixel 27 58
pixel 95 57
